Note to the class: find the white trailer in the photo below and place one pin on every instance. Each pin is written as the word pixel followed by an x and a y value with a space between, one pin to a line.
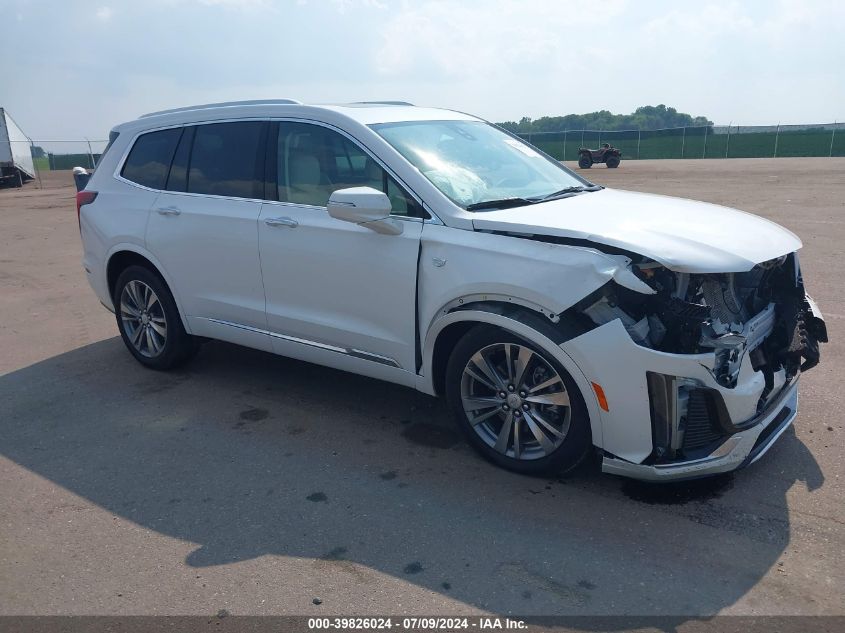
pixel 16 164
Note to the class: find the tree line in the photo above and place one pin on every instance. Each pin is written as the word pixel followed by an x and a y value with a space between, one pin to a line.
pixel 643 118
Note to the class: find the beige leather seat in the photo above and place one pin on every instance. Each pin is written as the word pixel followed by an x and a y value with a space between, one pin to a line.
pixel 307 184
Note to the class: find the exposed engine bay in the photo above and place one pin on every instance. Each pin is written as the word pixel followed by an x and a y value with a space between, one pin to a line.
pixel 764 313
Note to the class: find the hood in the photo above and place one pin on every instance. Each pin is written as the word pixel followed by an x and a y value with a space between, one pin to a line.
pixel 683 235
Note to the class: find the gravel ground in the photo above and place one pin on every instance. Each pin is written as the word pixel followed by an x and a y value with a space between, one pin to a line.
pixel 254 483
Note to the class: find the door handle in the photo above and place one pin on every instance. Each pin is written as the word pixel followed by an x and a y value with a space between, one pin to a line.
pixel 168 210
pixel 287 222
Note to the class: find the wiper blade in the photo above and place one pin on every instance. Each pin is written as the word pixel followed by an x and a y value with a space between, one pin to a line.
pixel 568 190
pixel 504 203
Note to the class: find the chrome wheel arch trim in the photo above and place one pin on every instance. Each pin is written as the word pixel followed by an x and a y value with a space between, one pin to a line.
pixel 425 380
pixel 468 301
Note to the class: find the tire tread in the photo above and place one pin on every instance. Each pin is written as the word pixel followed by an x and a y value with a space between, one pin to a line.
pixel 180 346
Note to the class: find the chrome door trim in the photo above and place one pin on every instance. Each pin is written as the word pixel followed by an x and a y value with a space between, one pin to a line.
pixel 434 219
pixel 347 351
pixel 134 139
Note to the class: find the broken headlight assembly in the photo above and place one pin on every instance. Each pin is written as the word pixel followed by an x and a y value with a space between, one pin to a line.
pixel 758 320
pixel 762 313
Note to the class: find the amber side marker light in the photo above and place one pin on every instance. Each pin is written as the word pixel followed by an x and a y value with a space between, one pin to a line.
pixel 600 396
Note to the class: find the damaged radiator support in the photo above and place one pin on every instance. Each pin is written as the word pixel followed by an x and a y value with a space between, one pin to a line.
pixel 731 345
pixel 763 312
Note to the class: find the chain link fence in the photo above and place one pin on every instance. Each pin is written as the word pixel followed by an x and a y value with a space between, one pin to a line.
pixel 718 141
pixel 54 155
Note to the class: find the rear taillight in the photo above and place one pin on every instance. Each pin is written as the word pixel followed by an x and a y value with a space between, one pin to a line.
pixel 82 198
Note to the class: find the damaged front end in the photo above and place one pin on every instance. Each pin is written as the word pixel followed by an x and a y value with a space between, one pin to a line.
pixel 763 312
pixel 753 332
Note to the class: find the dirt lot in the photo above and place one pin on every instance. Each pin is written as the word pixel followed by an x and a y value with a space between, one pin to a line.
pixel 254 484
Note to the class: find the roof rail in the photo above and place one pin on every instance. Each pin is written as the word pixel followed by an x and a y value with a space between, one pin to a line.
pixel 395 103
pixel 224 104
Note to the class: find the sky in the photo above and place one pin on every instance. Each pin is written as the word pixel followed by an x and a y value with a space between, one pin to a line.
pixel 82 67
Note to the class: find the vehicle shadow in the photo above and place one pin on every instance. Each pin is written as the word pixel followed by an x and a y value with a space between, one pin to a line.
pixel 248 454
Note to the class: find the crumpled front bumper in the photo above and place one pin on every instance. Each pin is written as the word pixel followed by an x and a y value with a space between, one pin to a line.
pixel 626 429
pixel 738 450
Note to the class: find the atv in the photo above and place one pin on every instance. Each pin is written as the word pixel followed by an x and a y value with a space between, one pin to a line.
pixel 608 155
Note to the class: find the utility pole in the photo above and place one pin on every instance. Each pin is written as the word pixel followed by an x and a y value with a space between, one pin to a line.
pixel 90 153
pixel 832 135
pixel 728 142
pixel 37 171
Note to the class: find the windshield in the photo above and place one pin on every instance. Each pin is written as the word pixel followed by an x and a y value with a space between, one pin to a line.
pixel 473 162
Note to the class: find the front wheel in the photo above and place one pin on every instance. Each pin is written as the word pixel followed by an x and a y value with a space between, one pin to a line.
pixel 149 321
pixel 516 405
pixel 612 162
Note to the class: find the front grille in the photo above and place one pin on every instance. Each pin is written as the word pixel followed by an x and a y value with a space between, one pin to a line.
pixel 702 426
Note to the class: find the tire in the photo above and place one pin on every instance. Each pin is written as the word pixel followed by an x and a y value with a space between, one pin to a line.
pixel 585 162
pixel 486 428
pixel 612 162
pixel 152 322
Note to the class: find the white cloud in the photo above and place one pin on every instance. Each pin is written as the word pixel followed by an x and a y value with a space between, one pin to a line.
pixel 238 4
pixel 343 6
pixel 494 37
pixel 104 14
pixel 746 61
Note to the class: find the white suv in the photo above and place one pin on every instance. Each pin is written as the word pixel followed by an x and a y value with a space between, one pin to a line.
pixel 432 249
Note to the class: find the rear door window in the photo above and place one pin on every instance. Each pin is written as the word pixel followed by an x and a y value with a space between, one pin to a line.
pixel 227 159
pixel 149 159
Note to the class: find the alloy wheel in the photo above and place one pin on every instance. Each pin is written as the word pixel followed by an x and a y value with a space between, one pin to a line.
pixel 142 316
pixel 515 401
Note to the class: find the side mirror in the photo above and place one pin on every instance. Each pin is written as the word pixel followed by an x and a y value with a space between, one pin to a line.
pixel 365 206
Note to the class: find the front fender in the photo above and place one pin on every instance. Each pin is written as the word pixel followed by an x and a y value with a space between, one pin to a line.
pixel 425 381
pixel 458 265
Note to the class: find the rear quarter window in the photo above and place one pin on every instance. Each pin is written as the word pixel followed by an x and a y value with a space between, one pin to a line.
pixel 112 138
pixel 149 160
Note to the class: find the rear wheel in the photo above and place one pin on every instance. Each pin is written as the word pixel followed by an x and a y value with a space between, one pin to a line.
pixel 516 405
pixel 612 162
pixel 148 320
pixel 585 161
